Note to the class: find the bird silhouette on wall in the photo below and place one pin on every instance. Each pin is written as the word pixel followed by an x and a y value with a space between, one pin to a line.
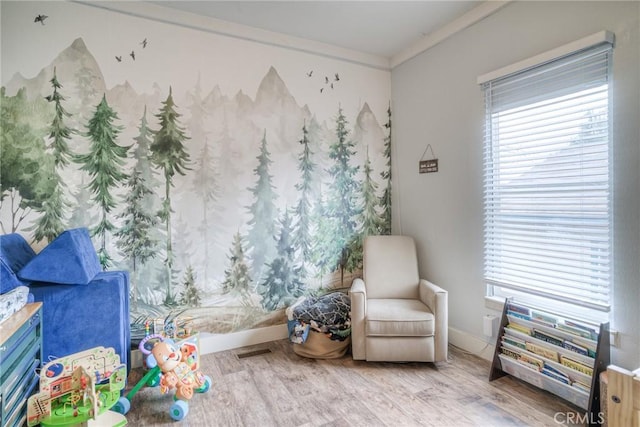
pixel 40 19
pixel 144 43
pixel 328 83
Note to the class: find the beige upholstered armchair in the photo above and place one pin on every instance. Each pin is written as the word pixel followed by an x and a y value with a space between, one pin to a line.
pixel 395 315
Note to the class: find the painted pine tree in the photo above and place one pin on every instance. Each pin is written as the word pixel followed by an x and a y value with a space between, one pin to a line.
pixel 51 221
pixel 385 199
pixel 149 203
pixel 341 204
pixel 369 220
pixel 81 215
pixel 184 245
pixel 104 163
pixel 190 295
pixel 168 154
pixel 302 230
pixel 282 284
pixel 135 238
pixel 237 278
pixel 142 156
pixel 206 186
pixel 26 170
pixel 59 132
pixel 322 239
pixel 86 82
pixel 260 237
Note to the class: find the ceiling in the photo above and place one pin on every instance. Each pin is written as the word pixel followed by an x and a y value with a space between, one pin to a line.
pixel 383 28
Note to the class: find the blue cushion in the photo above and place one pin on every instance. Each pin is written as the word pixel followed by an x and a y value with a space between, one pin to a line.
pixel 70 260
pixel 77 318
pixel 15 253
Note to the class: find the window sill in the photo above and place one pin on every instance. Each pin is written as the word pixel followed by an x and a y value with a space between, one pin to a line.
pixel 494 303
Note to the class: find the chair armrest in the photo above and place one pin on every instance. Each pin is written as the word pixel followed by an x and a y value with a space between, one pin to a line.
pixel 437 299
pixel 358 295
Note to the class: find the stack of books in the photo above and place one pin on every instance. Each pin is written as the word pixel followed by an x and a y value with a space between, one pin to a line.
pixel 558 348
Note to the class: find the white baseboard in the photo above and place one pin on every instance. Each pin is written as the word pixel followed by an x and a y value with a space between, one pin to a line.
pixel 212 343
pixel 471 344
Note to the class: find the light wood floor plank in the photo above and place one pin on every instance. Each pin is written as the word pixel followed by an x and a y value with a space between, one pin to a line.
pixel 282 389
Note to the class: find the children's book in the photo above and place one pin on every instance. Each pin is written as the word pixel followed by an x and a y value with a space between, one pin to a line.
pixel 556 376
pixel 519 328
pixel 544 336
pixel 575 347
pixel 576 365
pixel 544 318
pixel 518 309
pixel 542 351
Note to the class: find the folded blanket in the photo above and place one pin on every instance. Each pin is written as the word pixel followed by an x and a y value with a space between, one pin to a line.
pixel 328 314
pixel 13 301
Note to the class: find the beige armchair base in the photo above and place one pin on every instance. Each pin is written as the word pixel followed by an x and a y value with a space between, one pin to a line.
pixel 400 349
pixel 395 315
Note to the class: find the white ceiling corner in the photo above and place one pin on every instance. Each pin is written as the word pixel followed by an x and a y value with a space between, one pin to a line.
pixel 378 34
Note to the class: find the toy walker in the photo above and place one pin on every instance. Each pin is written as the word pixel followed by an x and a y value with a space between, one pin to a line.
pixel 171 366
pixel 79 390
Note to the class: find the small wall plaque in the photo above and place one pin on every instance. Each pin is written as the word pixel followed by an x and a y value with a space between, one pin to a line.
pixel 427 166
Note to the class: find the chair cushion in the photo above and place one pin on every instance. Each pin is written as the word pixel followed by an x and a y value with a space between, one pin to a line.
pixel 399 317
pixel 390 268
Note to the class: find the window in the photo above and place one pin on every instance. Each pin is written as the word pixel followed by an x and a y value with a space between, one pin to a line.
pixel 547 182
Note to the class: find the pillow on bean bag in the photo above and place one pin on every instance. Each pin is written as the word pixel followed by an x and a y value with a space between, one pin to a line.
pixel 69 260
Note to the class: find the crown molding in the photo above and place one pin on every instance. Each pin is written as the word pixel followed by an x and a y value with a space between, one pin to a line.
pixel 468 19
pixel 145 10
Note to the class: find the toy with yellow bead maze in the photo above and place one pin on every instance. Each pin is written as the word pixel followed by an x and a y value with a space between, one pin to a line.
pixel 79 389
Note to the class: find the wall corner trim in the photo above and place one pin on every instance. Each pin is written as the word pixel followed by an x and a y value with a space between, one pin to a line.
pixel 468 19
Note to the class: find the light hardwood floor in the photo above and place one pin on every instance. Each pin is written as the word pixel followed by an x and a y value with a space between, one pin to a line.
pixel 280 388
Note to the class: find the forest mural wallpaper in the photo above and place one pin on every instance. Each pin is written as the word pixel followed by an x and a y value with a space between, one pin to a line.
pixel 229 177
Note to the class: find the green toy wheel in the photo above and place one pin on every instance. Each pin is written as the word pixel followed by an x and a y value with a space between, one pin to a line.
pixel 179 410
pixel 206 386
pixel 122 406
pixel 154 381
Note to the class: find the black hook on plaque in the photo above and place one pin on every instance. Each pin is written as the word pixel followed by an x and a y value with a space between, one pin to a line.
pixel 430 165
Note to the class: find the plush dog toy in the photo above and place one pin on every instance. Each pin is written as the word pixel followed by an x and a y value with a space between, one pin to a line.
pixel 176 373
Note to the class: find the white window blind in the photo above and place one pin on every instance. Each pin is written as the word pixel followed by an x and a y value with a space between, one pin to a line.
pixel 547 183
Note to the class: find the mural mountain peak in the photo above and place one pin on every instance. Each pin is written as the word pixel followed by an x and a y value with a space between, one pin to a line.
pixel 273 93
pixel 74 65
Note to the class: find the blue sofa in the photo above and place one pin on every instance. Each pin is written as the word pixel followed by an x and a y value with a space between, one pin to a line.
pixel 83 307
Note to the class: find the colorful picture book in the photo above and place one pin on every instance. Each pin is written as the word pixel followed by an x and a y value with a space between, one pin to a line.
pixel 542 351
pixel 544 336
pixel 576 365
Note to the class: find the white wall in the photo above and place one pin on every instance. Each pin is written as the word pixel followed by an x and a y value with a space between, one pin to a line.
pixel 436 100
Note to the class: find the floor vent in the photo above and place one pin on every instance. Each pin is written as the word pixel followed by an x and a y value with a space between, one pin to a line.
pixel 252 353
